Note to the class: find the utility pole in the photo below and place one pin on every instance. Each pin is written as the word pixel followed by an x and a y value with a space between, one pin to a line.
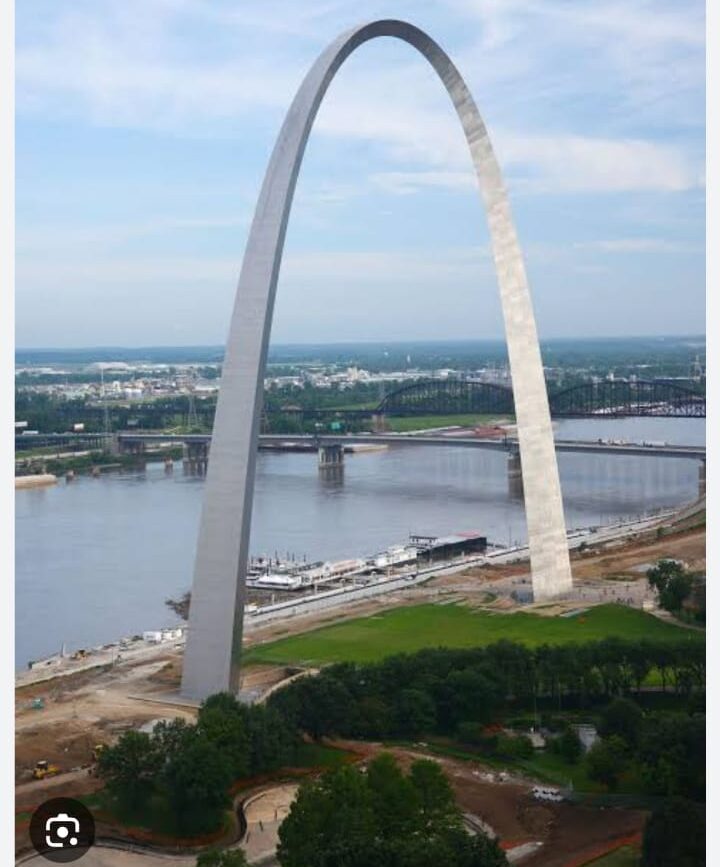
pixel 106 416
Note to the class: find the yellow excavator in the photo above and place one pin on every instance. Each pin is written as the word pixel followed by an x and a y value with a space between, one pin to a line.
pixel 44 769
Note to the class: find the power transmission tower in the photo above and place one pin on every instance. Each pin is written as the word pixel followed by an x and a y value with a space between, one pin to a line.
pixel 697 370
pixel 192 417
pixel 106 413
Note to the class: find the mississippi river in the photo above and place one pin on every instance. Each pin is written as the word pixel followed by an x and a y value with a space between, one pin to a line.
pixel 96 558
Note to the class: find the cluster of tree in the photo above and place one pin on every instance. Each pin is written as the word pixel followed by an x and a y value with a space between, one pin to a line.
pixel 381 818
pixel 191 767
pixel 55 414
pixel 311 397
pixel 437 690
pixel 676 587
pixel 675 835
pixel 667 749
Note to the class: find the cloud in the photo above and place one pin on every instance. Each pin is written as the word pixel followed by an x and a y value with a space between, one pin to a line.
pixel 638 245
pixel 59 241
pixel 140 65
pixel 404 183
pixel 571 163
pixel 337 267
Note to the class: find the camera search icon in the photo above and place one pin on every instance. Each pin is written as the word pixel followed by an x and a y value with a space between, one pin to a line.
pixel 62 830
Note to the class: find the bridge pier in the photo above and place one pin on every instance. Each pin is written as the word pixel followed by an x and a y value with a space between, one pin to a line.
pixel 379 422
pixel 701 479
pixel 331 457
pixel 129 447
pixel 195 458
pixel 515 479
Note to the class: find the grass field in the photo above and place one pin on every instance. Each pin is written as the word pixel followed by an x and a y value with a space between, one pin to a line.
pixel 407 629
pixel 420 422
pixel 626 856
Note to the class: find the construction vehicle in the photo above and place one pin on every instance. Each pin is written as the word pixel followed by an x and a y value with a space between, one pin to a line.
pixel 44 769
pixel 97 751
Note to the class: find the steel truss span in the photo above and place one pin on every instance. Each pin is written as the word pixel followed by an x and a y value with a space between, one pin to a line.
pixel 618 398
pixel 214 644
pixel 606 399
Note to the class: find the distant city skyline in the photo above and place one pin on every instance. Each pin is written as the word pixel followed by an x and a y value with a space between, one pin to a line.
pixel 143 131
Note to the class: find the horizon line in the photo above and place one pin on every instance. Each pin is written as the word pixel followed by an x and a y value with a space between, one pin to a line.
pixel 362 342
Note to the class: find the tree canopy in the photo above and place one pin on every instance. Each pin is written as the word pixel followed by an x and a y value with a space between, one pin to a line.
pixel 675 836
pixel 381 818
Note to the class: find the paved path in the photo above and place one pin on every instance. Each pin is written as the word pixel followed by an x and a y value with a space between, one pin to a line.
pixel 264 813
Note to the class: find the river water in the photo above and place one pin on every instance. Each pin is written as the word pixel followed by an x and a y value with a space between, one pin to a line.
pixel 96 558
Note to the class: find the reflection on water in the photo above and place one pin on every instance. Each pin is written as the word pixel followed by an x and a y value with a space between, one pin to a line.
pixel 96 558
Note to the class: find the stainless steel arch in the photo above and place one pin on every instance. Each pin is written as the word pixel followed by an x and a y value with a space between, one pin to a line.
pixel 214 643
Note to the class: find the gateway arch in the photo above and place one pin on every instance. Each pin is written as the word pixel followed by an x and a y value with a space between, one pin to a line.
pixel 214 641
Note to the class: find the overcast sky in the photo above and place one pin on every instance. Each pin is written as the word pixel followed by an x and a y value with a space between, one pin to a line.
pixel 144 128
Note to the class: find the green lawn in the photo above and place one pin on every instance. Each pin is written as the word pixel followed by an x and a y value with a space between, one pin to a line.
pixel 625 856
pixel 420 422
pixel 411 628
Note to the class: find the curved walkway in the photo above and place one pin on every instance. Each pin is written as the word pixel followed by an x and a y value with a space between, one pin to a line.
pixel 264 813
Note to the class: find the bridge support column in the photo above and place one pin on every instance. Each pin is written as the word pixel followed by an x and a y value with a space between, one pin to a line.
pixel 136 448
pixel 195 458
pixel 701 479
pixel 130 447
pixel 379 422
pixel 515 478
pixel 331 457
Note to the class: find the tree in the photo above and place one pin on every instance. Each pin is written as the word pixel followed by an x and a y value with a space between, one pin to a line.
pixel 674 835
pixel 271 739
pixel 228 858
pixel 130 767
pixel 671 755
pixel 415 713
pixel 196 779
pixel 606 760
pixel 454 847
pixel 678 589
pixel 568 746
pixel 169 735
pixel 331 822
pixel 227 731
pixel 435 797
pixel 624 718
pixel 393 797
pixel 381 819
pixel 671 582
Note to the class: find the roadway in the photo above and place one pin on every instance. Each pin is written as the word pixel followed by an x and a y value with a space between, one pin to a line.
pixel 694 452
pixel 502 444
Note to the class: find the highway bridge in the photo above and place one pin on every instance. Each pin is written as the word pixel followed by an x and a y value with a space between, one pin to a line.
pixel 128 440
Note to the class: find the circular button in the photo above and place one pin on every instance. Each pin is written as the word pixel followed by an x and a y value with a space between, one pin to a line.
pixel 62 830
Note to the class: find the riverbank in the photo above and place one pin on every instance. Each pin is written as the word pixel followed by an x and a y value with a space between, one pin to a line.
pixel 88 462
pixel 40 480
pixel 608 566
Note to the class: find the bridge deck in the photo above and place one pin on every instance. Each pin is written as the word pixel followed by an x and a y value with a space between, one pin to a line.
pixel 501 444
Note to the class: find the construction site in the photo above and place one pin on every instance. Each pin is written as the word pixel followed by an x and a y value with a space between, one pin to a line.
pixel 65 718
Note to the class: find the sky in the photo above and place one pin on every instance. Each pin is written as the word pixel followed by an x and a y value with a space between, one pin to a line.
pixel 143 129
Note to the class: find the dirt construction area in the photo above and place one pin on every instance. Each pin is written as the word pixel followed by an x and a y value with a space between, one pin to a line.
pixel 553 834
pixel 62 718
pixel 80 710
